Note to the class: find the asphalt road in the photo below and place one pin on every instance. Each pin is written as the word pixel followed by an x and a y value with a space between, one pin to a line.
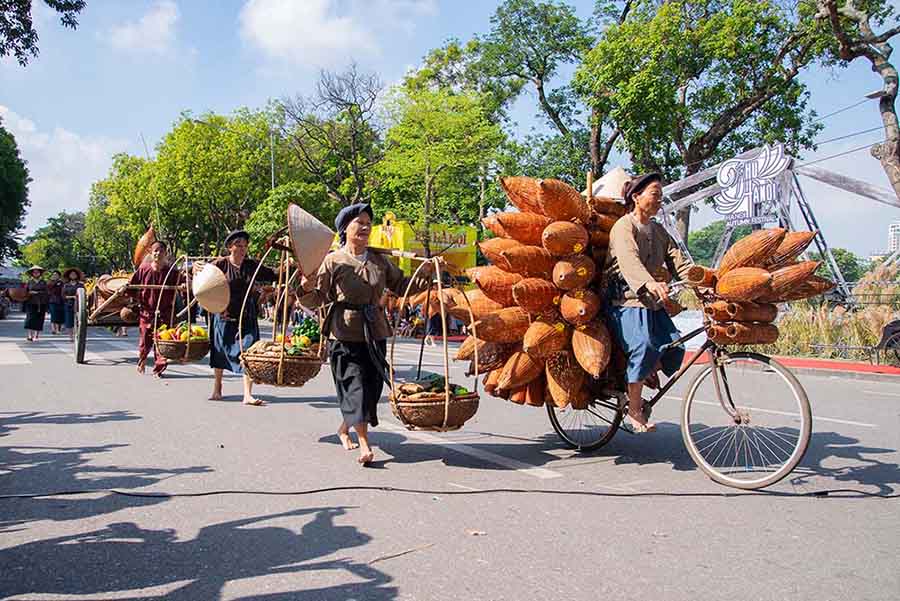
pixel 636 520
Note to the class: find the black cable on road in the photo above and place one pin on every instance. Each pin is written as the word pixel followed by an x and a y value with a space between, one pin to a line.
pixel 832 493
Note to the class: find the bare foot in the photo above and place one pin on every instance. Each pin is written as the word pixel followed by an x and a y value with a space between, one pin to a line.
pixel 216 396
pixel 140 368
pixel 640 424
pixel 366 458
pixel 347 442
pixel 158 375
pixel 254 402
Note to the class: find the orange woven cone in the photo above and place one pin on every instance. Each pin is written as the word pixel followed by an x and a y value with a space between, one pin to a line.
pixel 752 251
pixel 490 381
pixel 744 284
pixel 524 193
pixel 535 295
pixel 492 248
pixel 741 311
pixel 598 236
pixel 493 224
pixel 534 393
pixel 602 222
pixel 813 286
pixel 496 283
pixel 520 369
pixel 787 278
pixel 573 272
pixel 518 395
pixel 524 227
pixel 591 346
pixel 701 277
pixel 562 202
pixel 751 333
pixel 142 248
pixel 466 350
pixel 791 247
pixel 505 325
pixel 581 401
pixel 543 339
pixel 565 378
pixel 492 356
pixel 481 305
pixel 579 306
pixel 563 238
pixel 530 261
pixel 718 333
pixel 607 206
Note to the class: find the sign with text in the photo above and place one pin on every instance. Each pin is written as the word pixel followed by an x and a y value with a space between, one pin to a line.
pixel 750 187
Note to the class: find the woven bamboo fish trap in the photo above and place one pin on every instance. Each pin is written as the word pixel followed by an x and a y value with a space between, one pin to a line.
pixel 741 311
pixel 526 228
pixel 563 238
pixel 565 379
pixel 744 284
pixel 752 250
pixel 591 346
pixel 607 206
pixel 542 339
pixel 492 248
pixel 787 278
pixel 791 247
pixel 444 411
pixel 573 272
pixel 562 202
pixel 535 295
pixel 506 325
pixel 579 306
pixel 813 286
pixel 530 261
pixel 493 225
pixel 476 304
pixel 701 277
pixel 496 284
pixel 520 369
pixel 524 193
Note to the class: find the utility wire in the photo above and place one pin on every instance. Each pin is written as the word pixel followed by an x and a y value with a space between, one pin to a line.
pixel 840 154
pixel 839 111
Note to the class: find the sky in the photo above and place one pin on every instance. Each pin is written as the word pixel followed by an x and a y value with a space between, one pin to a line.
pixel 125 75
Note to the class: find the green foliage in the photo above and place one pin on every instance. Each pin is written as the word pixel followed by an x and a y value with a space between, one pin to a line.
pixel 702 243
pixel 852 267
pixel 14 182
pixel 106 233
pixel 17 34
pixel 59 244
pixel 270 215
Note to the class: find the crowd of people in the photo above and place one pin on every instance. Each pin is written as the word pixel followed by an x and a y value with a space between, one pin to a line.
pixel 351 285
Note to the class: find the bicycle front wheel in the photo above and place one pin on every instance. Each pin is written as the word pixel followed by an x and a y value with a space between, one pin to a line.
pixel 747 421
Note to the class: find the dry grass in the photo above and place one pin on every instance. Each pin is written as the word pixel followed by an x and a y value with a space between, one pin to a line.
pixel 880 286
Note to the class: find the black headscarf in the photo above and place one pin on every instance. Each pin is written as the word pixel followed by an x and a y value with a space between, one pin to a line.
pixel 347 215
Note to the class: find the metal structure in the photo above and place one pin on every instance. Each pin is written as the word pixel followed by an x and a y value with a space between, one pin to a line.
pixel 706 185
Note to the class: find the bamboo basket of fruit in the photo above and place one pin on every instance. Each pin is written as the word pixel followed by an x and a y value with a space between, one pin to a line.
pixel 186 341
pixel 288 359
pixel 433 402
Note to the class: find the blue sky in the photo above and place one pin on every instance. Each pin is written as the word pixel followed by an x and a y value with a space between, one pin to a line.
pixel 132 67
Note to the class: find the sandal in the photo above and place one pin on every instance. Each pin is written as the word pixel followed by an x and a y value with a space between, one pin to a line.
pixel 255 403
pixel 639 427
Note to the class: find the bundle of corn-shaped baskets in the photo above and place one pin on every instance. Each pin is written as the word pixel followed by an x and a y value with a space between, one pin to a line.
pixel 537 305
pixel 758 272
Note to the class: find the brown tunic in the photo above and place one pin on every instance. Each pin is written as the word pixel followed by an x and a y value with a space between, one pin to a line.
pixel 343 278
pixel 641 254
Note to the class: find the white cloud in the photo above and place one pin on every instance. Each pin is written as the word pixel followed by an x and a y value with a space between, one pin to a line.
pixel 323 33
pixel 154 32
pixel 62 165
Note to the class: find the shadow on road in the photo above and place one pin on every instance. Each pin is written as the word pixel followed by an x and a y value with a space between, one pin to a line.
pixel 42 469
pixel 124 558
pixel 852 463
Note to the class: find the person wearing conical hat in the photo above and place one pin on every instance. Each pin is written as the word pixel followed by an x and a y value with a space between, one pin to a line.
pixel 642 258
pixel 36 304
pixel 55 302
pixel 226 342
pixel 352 280
pixel 155 272
pixel 72 278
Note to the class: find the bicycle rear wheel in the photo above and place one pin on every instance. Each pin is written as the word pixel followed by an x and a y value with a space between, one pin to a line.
pixel 759 431
pixel 587 429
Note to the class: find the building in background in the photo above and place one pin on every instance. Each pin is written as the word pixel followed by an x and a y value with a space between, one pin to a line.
pixel 894 237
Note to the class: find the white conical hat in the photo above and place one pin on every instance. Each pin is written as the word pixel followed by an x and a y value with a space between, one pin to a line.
pixel 310 239
pixel 211 289
pixel 610 185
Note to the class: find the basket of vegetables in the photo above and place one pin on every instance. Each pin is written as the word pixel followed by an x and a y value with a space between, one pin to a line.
pixel 184 342
pixel 287 361
pixel 424 404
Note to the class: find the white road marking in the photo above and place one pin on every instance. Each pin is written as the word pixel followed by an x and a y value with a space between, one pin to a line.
pixel 815 417
pixel 463 487
pixel 11 354
pixel 513 464
pixel 882 393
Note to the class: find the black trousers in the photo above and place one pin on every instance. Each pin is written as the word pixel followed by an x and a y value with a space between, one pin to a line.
pixel 357 380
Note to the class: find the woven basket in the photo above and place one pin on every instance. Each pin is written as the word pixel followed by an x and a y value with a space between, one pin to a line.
pixel 563 238
pixel 496 283
pixel 543 339
pixel 535 295
pixel 574 272
pixel 562 202
pixel 481 306
pixel 524 193
pixel 526 228
pixel 492 248
pixel 579 306
pixel 520 369
pixel 429 413
pixel 701 277
pixel 592 346
pixel 505 325
pixel 741 311
pixel 752 251
pixel 791 247
pixel 263 369
pixel 607 206
pixel 530 261
pixel 744 284
pixel 177 350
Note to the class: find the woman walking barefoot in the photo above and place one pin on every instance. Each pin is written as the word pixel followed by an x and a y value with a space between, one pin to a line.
pixel 36 304
pixel 352 280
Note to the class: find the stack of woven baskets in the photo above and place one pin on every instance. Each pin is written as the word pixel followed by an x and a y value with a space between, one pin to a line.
pixel 755 274
pixel 537 306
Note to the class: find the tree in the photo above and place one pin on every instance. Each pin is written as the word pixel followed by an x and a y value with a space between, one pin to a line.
pixel 692 82
pixel 106 233
pixel 438 141
pixel 17 34
pixel 853 24
pixel 14 180
pixel 59 244
pixel 334 132
pixel 269 215
pixel 851 266
pixel 703 243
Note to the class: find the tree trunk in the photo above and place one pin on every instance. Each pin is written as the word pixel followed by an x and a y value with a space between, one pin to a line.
pixel 888 152
pixel 683 217
pixel 596 167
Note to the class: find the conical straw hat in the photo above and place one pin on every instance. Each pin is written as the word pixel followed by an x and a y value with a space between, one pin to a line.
pixel 310 239
pixel 211 289
pixel 143 246
pixel 611 184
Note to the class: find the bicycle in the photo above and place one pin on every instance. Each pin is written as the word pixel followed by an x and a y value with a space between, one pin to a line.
pixel 746 446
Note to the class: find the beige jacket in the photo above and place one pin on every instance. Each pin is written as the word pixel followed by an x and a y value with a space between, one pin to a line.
pixel 641 255
pixel 342 278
